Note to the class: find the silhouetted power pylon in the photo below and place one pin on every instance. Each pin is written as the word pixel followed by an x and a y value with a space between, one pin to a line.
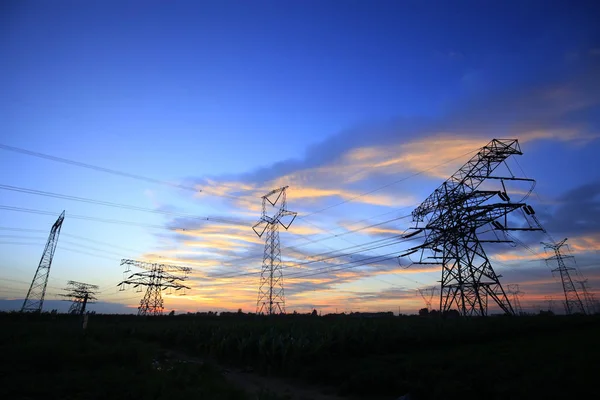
pixel 513 289
pixel 550 301
pixel 573 302
pixel 271 297
pixel 427 295
pixel 35 295
pixel 156 278
pixel 81 294
pixel 451 218
pixel 590 301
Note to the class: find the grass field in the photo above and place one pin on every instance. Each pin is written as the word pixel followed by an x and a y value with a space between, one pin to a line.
pixel 118 357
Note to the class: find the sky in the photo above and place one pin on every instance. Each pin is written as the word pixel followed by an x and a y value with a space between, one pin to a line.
pixel 361 108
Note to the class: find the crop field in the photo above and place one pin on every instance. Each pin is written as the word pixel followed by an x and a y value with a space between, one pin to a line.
pixel 346 357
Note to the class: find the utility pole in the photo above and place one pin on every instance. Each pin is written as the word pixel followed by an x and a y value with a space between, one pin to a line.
pixel 513 289
pixel 573 302
pixel 35 295
pixel 156 278
pixel 271 297
pixel 451 217
pixel 80 294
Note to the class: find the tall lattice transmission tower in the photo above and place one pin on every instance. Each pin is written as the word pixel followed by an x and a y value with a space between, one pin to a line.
pixel 515 292
pixel 271 297
pixel 573 302
pixel 81 294
pixel 156 278
pixel 427 295
pixel 35 295
pixel 590 301
pixel 451 218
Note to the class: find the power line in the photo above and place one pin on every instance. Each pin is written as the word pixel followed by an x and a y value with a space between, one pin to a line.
pixel 157 181
pixel 388 185
pixel 298 265
pixel 60 246
pixel 87 218
pixel 348 241
pixel 309 241
pixel 320 260
pixel 96 168
pixel 376 259
pixel 162 227
pixel 115 205
pixel 25 282
pixel 5 228
pixel 110 245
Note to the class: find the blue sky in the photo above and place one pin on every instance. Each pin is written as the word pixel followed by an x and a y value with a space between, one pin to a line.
pixel 334 98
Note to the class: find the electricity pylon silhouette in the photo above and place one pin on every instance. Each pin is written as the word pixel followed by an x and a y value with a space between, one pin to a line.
pixel 35 295
pixel 590 301
pixel 271 296
pixel 573 302
pixel 513 289
pixel 81 294
pixel 427 295
pixel 452 216
pixel 156 278
pixel 550 302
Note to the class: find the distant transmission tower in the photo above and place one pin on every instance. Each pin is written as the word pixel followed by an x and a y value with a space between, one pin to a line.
pixel 590 301
pixel 156 278
pixel 427 295
pixel 271 297
pixel 550 301
pixel 573 303
pixel 452 215
pixel 81 294
pixel 35 295
pixel 513 289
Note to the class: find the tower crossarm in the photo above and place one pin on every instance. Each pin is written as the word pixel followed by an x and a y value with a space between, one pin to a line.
pixel 270 195
pixel 156 278
pixel 484 214
pixel 150 266
pixel 469 176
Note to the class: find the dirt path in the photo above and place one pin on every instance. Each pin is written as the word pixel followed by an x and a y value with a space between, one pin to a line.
pixel 252 382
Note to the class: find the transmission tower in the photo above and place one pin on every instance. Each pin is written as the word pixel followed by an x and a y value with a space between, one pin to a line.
pixel 573 303
pixel 590 301
pixel 35 295
pixel 513 289
pixel 550 301
pixel 427 295
pixel 156 278
pixel 271 297
pixel 81 294
pixel 451 217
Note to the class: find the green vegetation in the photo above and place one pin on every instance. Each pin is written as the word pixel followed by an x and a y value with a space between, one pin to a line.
pixel 47 357
pixel 430 358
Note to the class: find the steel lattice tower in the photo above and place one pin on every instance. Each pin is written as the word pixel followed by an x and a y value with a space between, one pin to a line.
pixel 35 295
pixel 590 301
pixel 271 296
pixel 550 302
pixel 573 302
pixel 513 289
pixel 156 278
pixel 427 295
pixel 81 294
pixel 452 215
